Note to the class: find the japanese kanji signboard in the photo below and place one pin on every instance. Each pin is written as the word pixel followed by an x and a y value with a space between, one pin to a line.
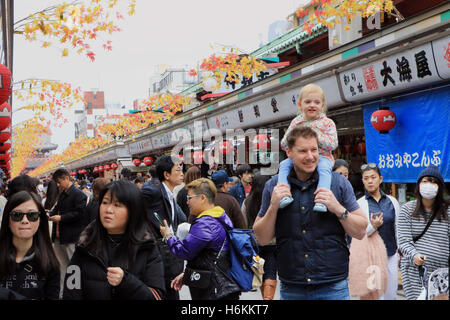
pixel 418 66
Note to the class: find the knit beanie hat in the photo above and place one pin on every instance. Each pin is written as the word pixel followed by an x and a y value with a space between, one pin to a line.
pixel 431 171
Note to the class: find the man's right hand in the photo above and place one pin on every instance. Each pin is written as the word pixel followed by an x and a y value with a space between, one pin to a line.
pixel 279 192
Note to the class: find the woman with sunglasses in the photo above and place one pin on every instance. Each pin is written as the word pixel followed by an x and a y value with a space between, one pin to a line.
pixel 28 264
pixel 116 257
pixel 423 231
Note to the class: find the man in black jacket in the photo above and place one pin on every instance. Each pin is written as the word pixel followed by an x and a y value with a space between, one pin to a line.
pixel 159 198
pixel 67 217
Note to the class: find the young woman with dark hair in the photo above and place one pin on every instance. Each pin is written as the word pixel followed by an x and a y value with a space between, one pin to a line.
pixel 419 245
pixel 250 209
pixel 116 256
pixel 28 264
pixel 51 195
pixel 22 183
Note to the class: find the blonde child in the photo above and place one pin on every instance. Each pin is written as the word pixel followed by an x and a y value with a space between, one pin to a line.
pixel 312 107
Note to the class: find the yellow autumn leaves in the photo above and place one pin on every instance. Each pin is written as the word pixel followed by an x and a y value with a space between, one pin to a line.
pixel 43 98
pixel 232 67
pixel 73 24
pixel 328 12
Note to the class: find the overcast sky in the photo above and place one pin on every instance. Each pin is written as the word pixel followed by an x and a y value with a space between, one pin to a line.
pixel 174 32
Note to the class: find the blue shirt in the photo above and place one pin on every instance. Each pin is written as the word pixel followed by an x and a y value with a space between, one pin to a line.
pixel 387 229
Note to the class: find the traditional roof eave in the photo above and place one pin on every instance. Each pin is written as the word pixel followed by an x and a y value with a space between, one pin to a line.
pixel 290 40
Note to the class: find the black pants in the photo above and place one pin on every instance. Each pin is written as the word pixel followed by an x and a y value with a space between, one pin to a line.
pixel 171 294
pixel 268 253
pixel 199 294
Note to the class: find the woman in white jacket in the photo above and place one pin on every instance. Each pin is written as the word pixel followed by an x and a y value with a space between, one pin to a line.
pixel 382 211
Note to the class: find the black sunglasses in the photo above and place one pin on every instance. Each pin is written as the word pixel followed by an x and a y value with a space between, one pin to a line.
pixel 368 166
pixel 17 216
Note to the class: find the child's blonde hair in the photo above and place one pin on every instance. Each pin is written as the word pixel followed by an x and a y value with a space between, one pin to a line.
pixel 312 88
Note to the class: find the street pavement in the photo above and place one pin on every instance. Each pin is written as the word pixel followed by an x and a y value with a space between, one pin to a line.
pixel 256 295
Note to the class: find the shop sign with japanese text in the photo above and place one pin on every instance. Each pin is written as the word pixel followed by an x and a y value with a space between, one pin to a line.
pixel 397 72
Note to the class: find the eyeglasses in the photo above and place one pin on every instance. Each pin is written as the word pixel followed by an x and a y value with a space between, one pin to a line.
pixel 17 216
pixel 190 197
pixel 368 166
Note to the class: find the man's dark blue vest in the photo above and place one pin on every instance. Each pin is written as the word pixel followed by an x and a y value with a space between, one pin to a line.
pixel 311 246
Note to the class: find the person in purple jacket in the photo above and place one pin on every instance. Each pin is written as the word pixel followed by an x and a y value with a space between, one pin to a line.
pixel 206 246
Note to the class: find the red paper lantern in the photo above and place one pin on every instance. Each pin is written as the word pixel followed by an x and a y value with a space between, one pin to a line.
pixel 5 116
pixel 100 168
pixel 95 169
pixel 362 148
pixel 114 166
pixel 5 146
pixel 5 157
pixel 80 171
pixel 383 120
pixel 137 162
pixel 261 141
pixel 148 161
pixel 198 157
pixel 107 167
pixel 225 147
pixel 73 173
pixel 5 83
pixel 5 135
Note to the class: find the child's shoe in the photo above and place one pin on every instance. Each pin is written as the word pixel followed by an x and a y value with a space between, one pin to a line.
pixel 285 202
pixel 320 207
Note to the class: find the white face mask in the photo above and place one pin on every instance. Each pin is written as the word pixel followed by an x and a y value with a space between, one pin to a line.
pixel 428 190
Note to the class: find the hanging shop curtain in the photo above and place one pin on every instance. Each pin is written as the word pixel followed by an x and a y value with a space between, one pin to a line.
pixel 420 137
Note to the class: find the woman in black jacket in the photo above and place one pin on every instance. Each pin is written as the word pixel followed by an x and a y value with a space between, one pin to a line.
pixel 92 207
pixel 28 264
pixel 116 256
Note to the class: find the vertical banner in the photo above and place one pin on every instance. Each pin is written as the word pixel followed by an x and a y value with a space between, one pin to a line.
pixel 419 138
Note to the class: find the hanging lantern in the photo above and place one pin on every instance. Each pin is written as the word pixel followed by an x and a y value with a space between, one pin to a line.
pixel 5 157
pixel 362 148
pixel 95 169
pixel 137 162
pixel 5 146
pixel 198 157
pixel 100 168
pixel 383 120
pixel 80 171
pixel 5 83
pixel 5 135
pixel 225 147
pixel 148 161
pixel 114 166
pixel 5 116
pixel 107 167
pixel 261 141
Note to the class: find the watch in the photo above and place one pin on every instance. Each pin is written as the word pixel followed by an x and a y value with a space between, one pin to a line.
pixel 344 215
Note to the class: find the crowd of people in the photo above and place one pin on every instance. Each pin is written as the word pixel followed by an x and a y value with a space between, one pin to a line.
pixel 320 233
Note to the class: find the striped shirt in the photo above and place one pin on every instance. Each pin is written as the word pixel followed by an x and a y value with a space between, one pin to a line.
pixel 434 244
